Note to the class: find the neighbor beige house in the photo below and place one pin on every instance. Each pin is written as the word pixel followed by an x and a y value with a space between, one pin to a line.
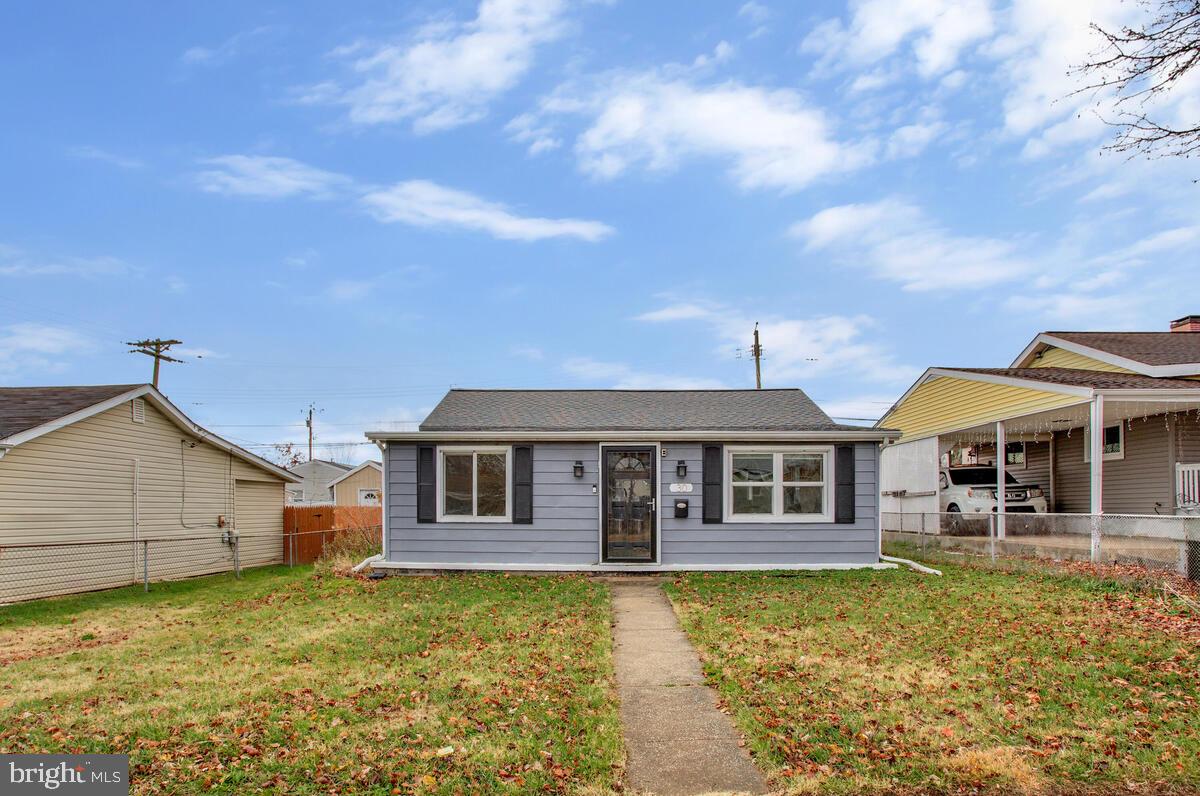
pixel 120 468
pixel 362 486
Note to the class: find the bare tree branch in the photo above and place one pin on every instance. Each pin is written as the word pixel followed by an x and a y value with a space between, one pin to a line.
pixel 1138 65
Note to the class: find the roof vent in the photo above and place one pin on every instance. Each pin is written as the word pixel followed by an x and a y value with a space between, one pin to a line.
pixel 139 410
pixel 1188 323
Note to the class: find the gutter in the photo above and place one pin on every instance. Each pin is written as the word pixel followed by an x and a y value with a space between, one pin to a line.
pixel 720 435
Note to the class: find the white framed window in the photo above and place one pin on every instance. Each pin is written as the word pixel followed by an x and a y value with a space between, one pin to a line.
pixel 779 483
pixel 368 497
pixel 1114 442
pixel 474 484
pixel 1014 455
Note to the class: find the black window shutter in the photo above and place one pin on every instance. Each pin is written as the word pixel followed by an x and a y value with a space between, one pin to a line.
pixel 522 513
pixel 714 469
pixel 844 484
pixel 426 484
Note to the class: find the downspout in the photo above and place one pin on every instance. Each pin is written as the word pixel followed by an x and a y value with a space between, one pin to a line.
pixel 383 501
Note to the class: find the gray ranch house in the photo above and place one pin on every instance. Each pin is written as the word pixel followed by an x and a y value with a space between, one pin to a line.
pixel 645 480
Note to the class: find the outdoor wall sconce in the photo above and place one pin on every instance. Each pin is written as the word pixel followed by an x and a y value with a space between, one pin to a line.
pixel 578 469
pixel 681 468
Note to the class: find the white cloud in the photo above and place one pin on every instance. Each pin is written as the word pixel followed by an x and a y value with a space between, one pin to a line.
pixel 938 30
pixel 530 352
pixel 28 347
pixel 912 139
pixel 795 348
pixel 1083 311
pixel 897 242
pixel 88 152
pixel 226 50
pixel 526 129
pixel 755 13
pixel 446 74
pixel 768 138
pixel 677 312
pixel 345 290
pixel 426 204
pixel 14 262
pixel 267 177
pixel 620 376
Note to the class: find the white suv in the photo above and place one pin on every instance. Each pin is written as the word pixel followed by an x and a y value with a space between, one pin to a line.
pixel 972 489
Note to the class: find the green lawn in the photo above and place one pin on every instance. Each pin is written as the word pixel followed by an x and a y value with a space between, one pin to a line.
pixel 298 683
pixel 976 681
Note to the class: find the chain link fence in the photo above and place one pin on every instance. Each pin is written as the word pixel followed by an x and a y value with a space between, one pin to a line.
pixel 35 571
pixel 1156 542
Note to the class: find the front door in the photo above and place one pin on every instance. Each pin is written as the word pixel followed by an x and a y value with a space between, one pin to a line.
pixel 629 505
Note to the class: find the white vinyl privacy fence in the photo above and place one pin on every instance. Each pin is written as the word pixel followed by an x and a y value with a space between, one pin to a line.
pixel 1160 542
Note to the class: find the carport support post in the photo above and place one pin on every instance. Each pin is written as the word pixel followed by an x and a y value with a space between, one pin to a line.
pixel 1096 454
pixel 1001 461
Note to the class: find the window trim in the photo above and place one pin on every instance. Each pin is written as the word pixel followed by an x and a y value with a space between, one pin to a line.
pixel 474 450
pixel 377 490
pixel 1087 443
pixel 777 453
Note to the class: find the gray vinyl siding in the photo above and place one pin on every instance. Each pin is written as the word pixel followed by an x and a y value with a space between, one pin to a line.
pixel 565 516
pixel 690 541
pixel 1136 484
pixel 566 519
pixel 1036 471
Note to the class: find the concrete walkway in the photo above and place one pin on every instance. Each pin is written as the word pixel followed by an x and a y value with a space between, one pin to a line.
pixel 678 742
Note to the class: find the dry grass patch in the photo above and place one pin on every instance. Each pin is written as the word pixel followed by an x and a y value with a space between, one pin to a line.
pixel 292 682
pixel 849 682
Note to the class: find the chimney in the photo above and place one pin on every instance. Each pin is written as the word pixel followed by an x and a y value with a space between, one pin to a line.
pixel 1188 323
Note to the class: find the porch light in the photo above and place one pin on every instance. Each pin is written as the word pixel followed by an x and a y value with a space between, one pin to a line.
pixel 681 468
pixel 578 469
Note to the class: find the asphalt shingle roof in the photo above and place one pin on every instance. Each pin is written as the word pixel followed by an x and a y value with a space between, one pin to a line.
pixel 629 410
pixel 1097 379
pixel 1151 348
pixel 23 408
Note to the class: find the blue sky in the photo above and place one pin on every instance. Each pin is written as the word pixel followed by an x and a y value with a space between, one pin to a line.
pixel 363 207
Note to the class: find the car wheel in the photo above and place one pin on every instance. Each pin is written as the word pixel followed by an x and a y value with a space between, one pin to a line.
pixel 953 509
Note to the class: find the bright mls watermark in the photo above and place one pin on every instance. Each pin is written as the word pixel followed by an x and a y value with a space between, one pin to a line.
pixel 95 775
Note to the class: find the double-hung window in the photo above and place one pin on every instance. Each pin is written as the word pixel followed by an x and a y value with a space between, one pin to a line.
pixel 474 484
pixel 778 484
pixel 1113 442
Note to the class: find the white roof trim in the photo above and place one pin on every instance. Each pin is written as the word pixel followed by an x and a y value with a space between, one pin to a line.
pixel 867 434
pixel 349 473
pixel 161 402
pixel 1158 371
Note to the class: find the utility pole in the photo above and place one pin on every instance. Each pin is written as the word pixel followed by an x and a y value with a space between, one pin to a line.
pixel 157 349
pixel 757 351
pixel 309 423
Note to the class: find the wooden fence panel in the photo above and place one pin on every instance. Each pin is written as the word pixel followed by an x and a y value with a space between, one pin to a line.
pixel 302 541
